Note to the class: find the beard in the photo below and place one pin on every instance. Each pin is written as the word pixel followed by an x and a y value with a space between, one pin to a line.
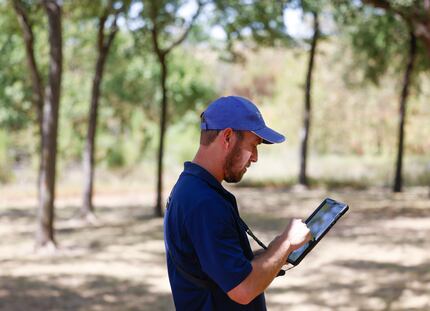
pixel 232 175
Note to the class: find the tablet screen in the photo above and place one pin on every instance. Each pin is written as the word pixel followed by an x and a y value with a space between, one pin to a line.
pixel 319 223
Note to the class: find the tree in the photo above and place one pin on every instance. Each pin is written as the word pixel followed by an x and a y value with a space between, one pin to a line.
pixel 258 23
pixel 417 15
pixel 264 22
pixel 303 180
pixel 18 113
pixel 398 181
pixel 47 103
pixel 36 80
pixel 379 40
pixel 45 233
pixel 314 9
pixel 38 95
pixel 105 37
pixel 415 12
pixel 159 17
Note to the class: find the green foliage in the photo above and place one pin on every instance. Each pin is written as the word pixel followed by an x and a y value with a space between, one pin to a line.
pixel 379 39
pixel 255 22
pixel 15 92
pixel 308 6
pixel 164 14
pixel 129 107
pixel 131 94
pixel 380 42
pixel 190 88
pixel 262 21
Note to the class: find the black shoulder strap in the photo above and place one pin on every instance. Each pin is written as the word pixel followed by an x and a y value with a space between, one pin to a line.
pixel 254 237
pixel 208 284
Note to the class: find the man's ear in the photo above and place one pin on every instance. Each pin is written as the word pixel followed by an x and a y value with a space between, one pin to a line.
pixel 227 137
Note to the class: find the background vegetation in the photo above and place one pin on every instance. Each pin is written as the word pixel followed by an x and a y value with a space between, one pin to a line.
pixel 134 77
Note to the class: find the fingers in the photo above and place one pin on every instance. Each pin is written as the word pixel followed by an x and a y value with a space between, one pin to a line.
pixel 309 236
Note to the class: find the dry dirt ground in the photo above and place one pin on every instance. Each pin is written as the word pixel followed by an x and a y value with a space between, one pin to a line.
pixel 376 258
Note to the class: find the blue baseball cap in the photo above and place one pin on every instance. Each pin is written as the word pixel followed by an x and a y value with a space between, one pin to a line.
pixel 238 113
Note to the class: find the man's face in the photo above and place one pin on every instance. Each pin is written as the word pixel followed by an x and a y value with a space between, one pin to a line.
pixel 243 152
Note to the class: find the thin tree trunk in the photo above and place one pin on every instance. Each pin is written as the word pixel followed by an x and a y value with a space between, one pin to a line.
pixel 158 206
pixel 398 182
pixel 162 58
pixel 45 230
pixel 36 80
pixel 303 180
pixel 104 45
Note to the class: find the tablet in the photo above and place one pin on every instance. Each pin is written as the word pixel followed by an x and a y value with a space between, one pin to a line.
pixel 319 223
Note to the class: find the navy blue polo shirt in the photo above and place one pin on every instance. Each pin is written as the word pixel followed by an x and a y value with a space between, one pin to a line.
pixel 204 236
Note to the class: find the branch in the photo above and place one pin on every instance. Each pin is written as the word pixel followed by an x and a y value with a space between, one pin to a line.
pixel 154 32
pixel 102 22
pixel 113 30
pixel 386 5
pixel 416 20
pixel 187 30
pixel 382 4
pixel 28 35
pixel 23 21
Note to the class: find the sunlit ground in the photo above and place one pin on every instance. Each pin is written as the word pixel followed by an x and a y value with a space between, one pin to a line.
pixel 376 258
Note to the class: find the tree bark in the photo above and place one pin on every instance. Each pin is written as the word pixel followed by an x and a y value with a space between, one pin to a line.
pixel 398 182
pixel 162 58
pixel 45 230
pixel 161 55
pixel 36 80
pixel 104 44
pixel 163 79
pixel 303 179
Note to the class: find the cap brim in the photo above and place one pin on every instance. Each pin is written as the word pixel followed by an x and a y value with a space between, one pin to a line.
pixel 269 136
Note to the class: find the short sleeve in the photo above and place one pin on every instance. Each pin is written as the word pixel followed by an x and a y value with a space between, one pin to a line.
pixel 212 229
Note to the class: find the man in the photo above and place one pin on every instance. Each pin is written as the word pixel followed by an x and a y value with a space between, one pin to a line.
pixel 210 262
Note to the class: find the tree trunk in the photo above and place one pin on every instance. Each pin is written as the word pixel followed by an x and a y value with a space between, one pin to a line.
pixel 303 180
pixel 104 45
pixel 45 230
pixel 36 80
pixel 418 16
pixel 398 182
pixel 158 206
pixel 162 58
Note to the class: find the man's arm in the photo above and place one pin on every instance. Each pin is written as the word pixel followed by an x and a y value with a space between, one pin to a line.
pixel 265 266
pixel 258 252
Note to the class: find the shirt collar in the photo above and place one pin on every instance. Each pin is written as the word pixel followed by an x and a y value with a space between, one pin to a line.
pixel 197 170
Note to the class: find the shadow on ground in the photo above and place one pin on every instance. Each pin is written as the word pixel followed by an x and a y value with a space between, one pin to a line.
pixel 93 292
pixel 376 258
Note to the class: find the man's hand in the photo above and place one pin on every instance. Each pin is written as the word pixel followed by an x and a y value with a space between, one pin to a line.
pixel 266 265
pixel 297 233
